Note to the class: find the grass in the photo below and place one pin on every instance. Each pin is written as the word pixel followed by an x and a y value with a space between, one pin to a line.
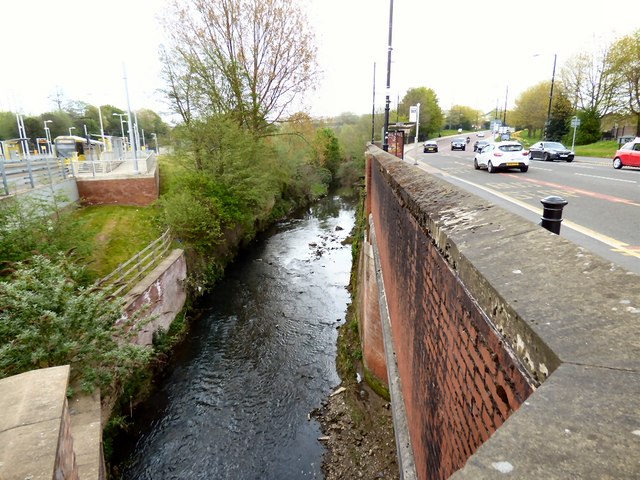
pixel 111 234
pixel 599 149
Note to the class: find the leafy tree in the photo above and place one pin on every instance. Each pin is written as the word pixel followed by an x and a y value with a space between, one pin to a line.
pixel 49 319
pixel 151 122
pixel 328 148
pixel 625 59
pixel 531 107
pixel 431 116
pixel 245 58
pixel 60 122
pixel 593 82
pixel 8 126
pixel 561 113
pixel 589 131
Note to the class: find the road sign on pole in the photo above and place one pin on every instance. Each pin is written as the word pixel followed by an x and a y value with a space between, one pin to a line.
pixel 575 123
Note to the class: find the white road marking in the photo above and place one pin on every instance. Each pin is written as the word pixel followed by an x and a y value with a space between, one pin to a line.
pixel 605 178
pixel 616 245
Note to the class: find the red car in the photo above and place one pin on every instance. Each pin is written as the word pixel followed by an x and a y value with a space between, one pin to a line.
pixel 628 155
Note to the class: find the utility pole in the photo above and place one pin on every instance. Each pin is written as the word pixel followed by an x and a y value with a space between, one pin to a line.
pixel 385 144
pixel 553 77
pixel 373 106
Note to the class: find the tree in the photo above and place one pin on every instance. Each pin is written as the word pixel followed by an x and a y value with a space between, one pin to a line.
pixel 328 148
pixel 592 82
pixel 589 131
pixel 625 60
pixel 8 125
pixel 561 113
pixel 431 116
pixel 247 58
pixel 531 107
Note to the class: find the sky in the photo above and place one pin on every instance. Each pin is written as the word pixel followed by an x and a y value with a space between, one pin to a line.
pixel 470 53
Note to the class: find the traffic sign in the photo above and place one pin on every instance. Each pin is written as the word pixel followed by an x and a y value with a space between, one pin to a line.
pixel 575 122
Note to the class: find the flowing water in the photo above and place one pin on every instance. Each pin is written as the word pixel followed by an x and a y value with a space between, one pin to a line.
pixel 236 399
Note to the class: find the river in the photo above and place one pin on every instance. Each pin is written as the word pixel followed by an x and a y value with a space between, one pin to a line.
pixel 236 398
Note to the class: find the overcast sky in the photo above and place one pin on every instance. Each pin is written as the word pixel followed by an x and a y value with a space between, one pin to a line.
pixel 468 52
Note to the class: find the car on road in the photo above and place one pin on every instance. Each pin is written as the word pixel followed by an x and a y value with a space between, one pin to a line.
pixel 628 155
pixel 458 144
pixel 549 151
pixel 502 156
pixel 480 134
pixel 430 146
pixel 479 145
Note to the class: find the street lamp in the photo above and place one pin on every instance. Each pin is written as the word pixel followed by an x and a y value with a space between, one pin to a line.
pixel 155 137
pixel 47 134
pixel 553 77
pixel 71 128
pixel 385 140
pixel 121 121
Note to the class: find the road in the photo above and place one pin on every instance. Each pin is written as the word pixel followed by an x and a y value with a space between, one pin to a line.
pixel 603 213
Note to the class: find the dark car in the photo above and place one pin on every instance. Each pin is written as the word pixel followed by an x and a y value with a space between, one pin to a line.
pixel 628 155
pixel 430 146
pixel 549 151
pixel 458 144
pixel 479 145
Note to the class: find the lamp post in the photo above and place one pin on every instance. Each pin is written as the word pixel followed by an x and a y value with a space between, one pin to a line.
pixel 71 128
pixel 385 141
pixel 121 121
pixel 553 78
pixel 47 134
pixel 155 138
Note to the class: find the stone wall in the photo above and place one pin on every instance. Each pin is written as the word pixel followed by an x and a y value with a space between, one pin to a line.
pixel 493 319
pixel 36 441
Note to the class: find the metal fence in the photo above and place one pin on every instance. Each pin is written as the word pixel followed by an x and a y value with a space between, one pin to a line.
pixel 128 274
pixel 28 173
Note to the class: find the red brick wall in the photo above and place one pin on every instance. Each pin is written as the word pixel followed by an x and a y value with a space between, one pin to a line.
pixel 369 317
pixel 459 383
pixel 122 191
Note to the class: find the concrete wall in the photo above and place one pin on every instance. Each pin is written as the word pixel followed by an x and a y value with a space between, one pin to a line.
pixel 158 297
pixel 35 426
pixel 516 349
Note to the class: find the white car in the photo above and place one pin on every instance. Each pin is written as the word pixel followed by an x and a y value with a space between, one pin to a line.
pixel 502 156
pixel 480 134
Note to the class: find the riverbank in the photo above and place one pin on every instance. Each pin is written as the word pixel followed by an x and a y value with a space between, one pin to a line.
pixel 356 422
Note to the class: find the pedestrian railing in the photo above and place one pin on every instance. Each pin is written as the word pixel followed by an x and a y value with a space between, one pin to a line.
pixel 18 175
pixel 120 282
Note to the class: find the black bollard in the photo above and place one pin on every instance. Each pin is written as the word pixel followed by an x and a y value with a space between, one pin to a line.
pixel 552 213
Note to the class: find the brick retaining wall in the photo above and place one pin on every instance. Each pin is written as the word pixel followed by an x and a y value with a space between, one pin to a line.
pixel 485 336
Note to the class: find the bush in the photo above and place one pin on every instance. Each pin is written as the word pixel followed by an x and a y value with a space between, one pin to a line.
pixel 47 318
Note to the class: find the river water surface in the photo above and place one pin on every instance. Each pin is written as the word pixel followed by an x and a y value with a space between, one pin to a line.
pixel 236 399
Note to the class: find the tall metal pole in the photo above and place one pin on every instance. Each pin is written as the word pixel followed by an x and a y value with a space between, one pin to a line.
pixel 415 153
pixel 104 143
pixel 129 124
pixel 385 144
pixel 373 106
pixel 553 76
pixel 504 118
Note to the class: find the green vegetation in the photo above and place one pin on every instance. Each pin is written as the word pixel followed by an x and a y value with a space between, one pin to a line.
pixel 49 318
pixel 112 234
pixel 602 149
